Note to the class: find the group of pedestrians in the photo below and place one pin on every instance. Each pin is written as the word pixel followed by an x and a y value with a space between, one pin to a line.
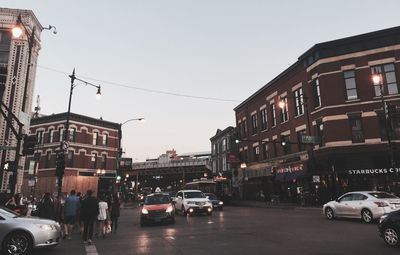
pixel 84 213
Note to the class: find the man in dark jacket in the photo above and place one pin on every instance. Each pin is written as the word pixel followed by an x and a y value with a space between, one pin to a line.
pixel 89 212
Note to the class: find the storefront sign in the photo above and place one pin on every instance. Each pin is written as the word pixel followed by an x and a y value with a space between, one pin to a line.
pixel 373 171
pixel 290 169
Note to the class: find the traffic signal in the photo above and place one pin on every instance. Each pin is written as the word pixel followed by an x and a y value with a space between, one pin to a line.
pixel 29 145
pixel 60 163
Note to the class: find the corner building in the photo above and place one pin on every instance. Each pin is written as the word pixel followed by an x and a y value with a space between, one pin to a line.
pixel 93 145
pixel 332 120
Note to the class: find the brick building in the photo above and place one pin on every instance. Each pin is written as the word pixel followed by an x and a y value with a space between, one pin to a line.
pixel 224 159
pixel 330 99
pixel 93 145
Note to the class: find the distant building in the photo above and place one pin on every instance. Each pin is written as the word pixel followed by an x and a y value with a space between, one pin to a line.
pixel 93 145
pixel 225 158
pixel 16 91
pixel 332 122
pixel 170 171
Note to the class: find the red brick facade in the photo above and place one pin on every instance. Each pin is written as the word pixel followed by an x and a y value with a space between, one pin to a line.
pixel 80 172
pixel 345 112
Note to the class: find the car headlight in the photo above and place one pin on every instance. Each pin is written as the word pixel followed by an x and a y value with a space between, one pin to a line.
pixel 46 227
pixel 221 203
pixel 144 211
pixel 169 209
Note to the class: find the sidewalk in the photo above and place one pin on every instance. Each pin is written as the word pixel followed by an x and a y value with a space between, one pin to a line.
pixel 260 204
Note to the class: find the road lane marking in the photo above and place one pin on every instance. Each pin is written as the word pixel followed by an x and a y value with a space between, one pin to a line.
pixel 91 250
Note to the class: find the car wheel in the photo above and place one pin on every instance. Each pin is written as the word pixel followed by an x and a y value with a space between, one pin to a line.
pixel 221 208
pixel 391 236
pixel 17 243
pixel 366 216
pixel 183 211
pixel 329 213
pixel 209 213
pixel 173 220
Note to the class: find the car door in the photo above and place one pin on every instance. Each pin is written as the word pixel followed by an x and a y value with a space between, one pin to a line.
pixel 355 205
pixel 342 205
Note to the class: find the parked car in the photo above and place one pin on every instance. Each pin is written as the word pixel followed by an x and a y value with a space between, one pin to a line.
pixel 217 204
pixel 192 202
pixel 389 228
pixel 157 208
pixel 20 234
pixel 366 205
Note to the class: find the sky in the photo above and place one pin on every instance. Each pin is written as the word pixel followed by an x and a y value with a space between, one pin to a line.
pixel 183 65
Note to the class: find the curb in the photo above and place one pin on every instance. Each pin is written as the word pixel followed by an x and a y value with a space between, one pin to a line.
pixel 284 207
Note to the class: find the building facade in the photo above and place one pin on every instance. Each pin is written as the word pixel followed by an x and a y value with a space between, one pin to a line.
pixel 16 84
pixel 224 158
pixel 91 157
pixel 324 126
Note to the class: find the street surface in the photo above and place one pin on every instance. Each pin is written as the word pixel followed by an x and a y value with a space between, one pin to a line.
pixel 236 230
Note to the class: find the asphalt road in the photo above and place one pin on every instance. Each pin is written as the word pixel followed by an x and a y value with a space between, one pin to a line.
pixel 236 230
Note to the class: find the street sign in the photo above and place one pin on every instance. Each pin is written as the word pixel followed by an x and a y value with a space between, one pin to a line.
pixel 310 139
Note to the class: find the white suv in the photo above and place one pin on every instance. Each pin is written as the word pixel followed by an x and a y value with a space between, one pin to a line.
pixel 192 201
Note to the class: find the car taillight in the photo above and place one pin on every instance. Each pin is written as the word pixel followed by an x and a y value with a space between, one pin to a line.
pixel 381 204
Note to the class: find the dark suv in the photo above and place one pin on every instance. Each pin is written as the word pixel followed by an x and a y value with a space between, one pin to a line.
pixel 389 228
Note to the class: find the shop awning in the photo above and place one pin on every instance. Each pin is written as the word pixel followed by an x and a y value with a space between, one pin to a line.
pixel 286 177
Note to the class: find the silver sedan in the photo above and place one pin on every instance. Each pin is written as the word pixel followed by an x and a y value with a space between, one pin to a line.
pixel 19 235
pixel 365 205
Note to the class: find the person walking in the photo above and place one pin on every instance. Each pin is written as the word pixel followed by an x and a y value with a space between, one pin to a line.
pixel 115 212
pixel 89 212
pixel 71 210
pixel 46 207
pixel 102 217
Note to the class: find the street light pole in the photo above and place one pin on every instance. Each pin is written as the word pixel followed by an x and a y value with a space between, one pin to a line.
pixel 120 151
pixel 378 80
pixel 243 167
pixel 64 143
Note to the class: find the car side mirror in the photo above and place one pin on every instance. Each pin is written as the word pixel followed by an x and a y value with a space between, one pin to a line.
pixel 207 197
pixel 337 200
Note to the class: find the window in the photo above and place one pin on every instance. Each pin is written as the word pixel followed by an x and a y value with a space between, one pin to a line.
pixel 70 158
pixel 388 79
pixel 264 120
pixel 60 134
pixel 265 150
pixel 256 153
pixel 94 160
pixel 224 164
pixel 350 81
pixel 224 144
pixel 245 128
pixel 214 149
pixel 298 101
pixel 51 135
pixel 105 139
pixel 357 135
pixel 273 115
pixel 104 161
pixel 39 137
pixel 254 123
pixel 302 146
pixel 71 136
pixel 284 110
pixel 316 93
pixel 48 159
pixel 286 147
pixel 95 138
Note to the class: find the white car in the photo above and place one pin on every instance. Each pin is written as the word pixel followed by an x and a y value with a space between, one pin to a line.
pixel 367 205
pixel 192 202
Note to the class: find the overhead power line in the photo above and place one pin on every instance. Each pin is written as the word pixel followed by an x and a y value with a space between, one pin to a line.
pixel 143 89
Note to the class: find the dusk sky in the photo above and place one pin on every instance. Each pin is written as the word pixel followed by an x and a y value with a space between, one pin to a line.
pixel 183 65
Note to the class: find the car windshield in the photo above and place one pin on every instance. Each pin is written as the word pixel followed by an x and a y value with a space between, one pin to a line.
pixel 8 213
pixel 194 194
pixel 382 195
pixel 212 196
pixel 157 199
